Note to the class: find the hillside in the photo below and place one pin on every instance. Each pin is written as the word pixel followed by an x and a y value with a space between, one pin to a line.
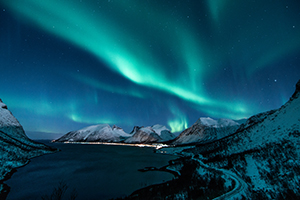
pixel 15 147
pixel 206 130
pixel 260 160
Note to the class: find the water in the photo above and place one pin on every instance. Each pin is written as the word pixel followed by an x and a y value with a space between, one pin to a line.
pixel 94 171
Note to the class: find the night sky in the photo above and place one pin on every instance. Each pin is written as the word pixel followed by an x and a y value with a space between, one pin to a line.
pixel 68 64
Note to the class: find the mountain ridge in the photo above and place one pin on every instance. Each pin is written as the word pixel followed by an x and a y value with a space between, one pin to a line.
pixel 206 130
pixel 254 150
pixel 105 133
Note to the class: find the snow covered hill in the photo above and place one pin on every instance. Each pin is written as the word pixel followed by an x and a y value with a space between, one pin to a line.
pixel 207 130
pixel 105 133
pixel 143 135
pixel 15 147
pixel 150 134
pixel 96 133
pixel 163 132
pixel 264 152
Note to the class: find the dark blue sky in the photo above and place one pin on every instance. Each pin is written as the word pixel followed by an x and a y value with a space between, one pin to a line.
pixel 68 64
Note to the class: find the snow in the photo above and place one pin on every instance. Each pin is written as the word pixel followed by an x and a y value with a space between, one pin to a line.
pixel 103 132
pixel 159 128
pixel 15 147
pixel 6 118
pixel 263 151
pixel 273 128
pixel 100 132
pixel 144 135
pixel 206 129
pixel 147 130
pixel 253 172
pixel 9 124
pixel 207 121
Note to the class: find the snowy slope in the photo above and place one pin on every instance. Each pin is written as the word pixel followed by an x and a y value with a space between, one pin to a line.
pixel 144 135
pixel 15 147
pixel 207 130
pixel 9 124
pixel 150 134
pixel 264 152
pixel 268 127
pixel 105 133
pixel 164 133
pixel 95 133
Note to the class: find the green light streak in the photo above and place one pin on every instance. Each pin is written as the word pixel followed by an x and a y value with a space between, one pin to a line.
pixel 180 122
pixel 102 86
pixel 103 37
pixel 216 7
pixel 178 125
pixel 91 120
pixel 275 54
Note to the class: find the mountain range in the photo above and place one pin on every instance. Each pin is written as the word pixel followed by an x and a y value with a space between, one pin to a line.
pixel 257 159
pixel 105 133
pixel 264 151
pixel 206 129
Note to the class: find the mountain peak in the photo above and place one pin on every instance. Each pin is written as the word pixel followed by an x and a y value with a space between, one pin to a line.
pixel 205 130
pixel 115 127
pixel 3 105
pixel 207 121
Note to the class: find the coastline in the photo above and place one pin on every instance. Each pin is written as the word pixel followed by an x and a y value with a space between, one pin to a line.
pixel 109 171
pixel 4 188
pixel 193 178
pixel 156 146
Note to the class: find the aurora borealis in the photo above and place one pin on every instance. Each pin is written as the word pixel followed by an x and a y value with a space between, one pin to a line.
pixel 69 64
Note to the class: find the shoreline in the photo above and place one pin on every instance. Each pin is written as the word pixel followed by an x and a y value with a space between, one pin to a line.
pixel 188 174
pixel 156 146
pixel 4 188
pixel 140 156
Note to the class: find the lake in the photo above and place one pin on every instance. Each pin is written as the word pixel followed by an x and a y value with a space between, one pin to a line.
pixel 94 171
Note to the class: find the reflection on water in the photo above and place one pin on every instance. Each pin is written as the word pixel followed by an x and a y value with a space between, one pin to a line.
pixel 95 171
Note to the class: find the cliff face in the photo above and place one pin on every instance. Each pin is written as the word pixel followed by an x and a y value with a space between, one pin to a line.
pixel 15 147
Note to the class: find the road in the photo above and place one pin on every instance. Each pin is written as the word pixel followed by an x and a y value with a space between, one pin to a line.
pixel 240 185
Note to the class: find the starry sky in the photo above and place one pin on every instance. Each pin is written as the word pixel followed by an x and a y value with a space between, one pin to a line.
pixel 68 64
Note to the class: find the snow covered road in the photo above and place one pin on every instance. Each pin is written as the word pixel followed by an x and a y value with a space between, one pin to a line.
pixel 240 185
pixel 239 189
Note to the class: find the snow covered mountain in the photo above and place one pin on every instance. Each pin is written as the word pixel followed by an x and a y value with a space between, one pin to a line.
pixel 105 133
pixel 150 134
pixel 205 130
pixel 96 133
pixel 15 147
pixel 163 132
pixel 264 152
